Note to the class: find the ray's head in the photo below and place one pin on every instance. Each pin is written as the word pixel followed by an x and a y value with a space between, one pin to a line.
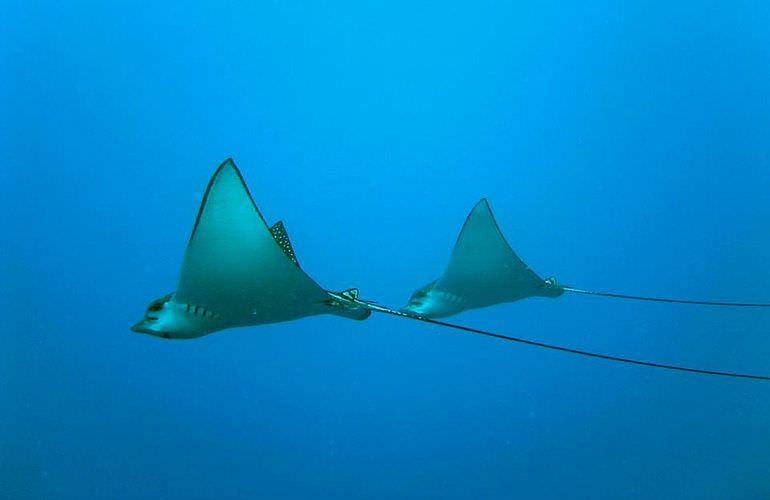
pixel 419 302
pixel 167 319
pixel 156 319
pixel 429 303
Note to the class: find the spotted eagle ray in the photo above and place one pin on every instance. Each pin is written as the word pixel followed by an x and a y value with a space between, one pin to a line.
pixel 238 271
pixel 484 270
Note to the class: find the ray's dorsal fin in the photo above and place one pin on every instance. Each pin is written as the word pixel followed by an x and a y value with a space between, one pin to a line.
pixel 282 238
pixel 483 270
pixel 350 294
pixel 348 304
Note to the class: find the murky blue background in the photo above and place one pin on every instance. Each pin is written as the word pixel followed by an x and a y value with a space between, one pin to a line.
pixel 623 148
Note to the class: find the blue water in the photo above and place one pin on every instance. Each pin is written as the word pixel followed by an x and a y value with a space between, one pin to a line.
pixel 623 148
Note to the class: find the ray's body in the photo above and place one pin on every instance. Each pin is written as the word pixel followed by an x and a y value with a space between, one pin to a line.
pixel 237 271
pixel 482 271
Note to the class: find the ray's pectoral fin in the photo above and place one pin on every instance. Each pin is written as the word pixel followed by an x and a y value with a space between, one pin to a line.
pixel 238 266
pixel 482 271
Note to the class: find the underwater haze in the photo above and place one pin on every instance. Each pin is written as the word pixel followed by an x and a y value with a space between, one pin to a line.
pixel 624 146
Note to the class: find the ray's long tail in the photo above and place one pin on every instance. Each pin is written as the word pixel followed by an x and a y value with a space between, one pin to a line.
pixel 663 299
pixel 651 364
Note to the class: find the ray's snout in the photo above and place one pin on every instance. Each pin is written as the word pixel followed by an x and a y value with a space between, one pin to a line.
pixel 141 328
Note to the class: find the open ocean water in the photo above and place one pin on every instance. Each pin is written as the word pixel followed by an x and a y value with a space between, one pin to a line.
pixel 624 146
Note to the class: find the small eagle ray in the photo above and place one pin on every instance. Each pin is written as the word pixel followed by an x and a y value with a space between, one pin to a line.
pixel 238 271
pixel 484 270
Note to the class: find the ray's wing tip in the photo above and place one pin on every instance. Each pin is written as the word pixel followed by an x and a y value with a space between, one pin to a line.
pixel 228 163
pixel 229 166
pixel 482 203
pixel 482 207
